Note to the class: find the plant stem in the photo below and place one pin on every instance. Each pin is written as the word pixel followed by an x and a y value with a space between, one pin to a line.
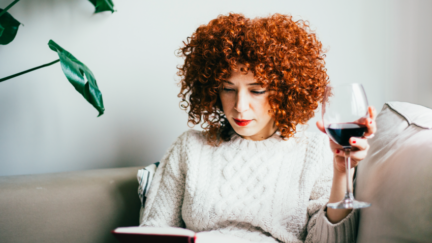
pixel 8 7
pixel 27 71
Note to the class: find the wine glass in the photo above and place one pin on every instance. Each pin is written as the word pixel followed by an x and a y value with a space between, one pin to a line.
pixel 345 108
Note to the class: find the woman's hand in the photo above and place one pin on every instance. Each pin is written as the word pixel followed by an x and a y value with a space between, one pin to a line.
pixel 359 150
pixel 360 146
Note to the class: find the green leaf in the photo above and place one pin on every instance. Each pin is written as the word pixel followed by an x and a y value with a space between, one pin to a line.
pixel 1 30
pixel 8 28
pixel 103 5
pixel 80 76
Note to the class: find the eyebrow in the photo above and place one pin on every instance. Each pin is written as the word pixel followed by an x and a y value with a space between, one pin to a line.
pixel 225 81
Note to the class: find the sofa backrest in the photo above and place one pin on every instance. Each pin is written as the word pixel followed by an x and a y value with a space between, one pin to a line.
pixel 396 177
pixel 82 206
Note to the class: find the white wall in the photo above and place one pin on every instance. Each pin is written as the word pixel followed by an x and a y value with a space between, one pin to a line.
pixel 46 126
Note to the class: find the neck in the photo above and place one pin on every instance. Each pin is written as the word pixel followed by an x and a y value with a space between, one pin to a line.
pixel 261 135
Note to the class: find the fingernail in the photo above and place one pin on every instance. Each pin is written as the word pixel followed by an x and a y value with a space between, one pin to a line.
pixel 354 141
pixel 337 151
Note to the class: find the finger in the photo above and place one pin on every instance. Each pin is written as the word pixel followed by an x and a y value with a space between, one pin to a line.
pixel 359 144
pixel 371 127
pixel 340 159
pixel 320 126
pixel 358 156
pixel 369 136
pixel 369 122
pixel 339 152
pixel 355 156
pixel 372 112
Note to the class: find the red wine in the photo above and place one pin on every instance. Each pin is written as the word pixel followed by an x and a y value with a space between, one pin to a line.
pixel 342 132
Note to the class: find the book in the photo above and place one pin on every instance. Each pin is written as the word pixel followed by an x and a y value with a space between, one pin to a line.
pixel 137 234
pixel 154 234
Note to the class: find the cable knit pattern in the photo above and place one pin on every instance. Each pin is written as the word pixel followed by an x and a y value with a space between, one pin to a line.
pixel 262 191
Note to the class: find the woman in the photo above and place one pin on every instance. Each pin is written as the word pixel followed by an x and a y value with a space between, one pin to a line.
pixel 250 173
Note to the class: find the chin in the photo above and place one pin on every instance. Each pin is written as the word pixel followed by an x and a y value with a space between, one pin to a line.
pixel 245 131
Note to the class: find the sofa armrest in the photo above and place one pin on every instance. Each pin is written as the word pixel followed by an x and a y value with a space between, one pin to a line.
pixel 81 206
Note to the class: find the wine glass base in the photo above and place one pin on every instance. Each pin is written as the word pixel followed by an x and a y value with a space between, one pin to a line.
pixel 348 204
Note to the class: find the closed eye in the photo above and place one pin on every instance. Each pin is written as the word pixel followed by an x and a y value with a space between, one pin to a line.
pixel 254 91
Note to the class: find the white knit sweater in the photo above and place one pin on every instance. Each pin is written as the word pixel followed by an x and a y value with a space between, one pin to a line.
pixel 262 191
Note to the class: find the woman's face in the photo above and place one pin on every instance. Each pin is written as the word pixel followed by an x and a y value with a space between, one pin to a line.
pixel 245 104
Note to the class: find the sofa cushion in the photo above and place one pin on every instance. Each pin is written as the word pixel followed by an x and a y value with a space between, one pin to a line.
pixel 68 207
pixel 396 177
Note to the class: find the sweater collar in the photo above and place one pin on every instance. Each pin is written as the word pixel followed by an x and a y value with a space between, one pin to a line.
pixel 267 144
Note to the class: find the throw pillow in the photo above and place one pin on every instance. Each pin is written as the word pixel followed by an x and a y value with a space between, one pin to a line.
pixel 396 177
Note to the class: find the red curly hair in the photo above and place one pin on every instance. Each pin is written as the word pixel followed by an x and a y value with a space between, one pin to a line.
pixel 285 56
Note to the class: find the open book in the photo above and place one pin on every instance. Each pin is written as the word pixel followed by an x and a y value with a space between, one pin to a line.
pixel 171 235
pixel 154 234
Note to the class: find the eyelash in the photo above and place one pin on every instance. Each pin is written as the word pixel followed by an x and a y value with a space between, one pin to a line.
pixel 255 92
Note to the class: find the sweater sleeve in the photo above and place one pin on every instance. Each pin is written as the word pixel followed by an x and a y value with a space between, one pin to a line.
pixel 165 196
pixel 319 228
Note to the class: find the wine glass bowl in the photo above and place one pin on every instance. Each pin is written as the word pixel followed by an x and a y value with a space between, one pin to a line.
pixel 341 133
pixel 344 113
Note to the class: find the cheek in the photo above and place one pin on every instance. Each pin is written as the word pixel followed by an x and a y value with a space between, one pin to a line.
pixel 262 108
pixel 227 102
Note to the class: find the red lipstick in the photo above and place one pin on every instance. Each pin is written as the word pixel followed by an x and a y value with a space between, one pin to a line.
pixel 241 122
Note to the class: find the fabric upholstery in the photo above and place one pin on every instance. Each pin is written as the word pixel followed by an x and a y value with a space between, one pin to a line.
pixel 396 177
pixel 73 207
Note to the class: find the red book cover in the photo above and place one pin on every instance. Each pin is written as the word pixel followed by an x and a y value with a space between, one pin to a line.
pixel 154 234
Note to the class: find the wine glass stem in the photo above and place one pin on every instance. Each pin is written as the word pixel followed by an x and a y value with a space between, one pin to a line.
pixel 348 194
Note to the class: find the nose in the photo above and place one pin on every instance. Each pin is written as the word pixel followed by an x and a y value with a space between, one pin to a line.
pixel 242 102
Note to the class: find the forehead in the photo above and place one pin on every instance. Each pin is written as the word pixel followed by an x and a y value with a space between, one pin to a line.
pixel 239 78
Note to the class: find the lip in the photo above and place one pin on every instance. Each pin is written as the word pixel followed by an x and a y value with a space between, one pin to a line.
pixel 241 122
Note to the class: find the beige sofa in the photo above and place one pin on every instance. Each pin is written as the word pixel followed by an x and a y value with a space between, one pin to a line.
pixel 396 178
pixel 68 207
